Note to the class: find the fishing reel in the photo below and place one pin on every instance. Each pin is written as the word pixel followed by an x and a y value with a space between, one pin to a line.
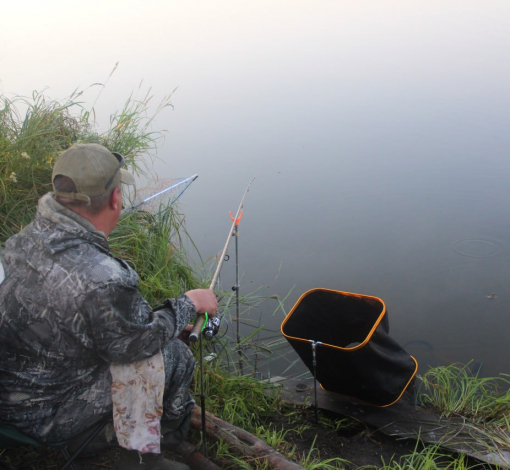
pixel 211 327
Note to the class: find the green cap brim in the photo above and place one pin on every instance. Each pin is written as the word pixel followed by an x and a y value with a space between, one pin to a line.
pixel 126 177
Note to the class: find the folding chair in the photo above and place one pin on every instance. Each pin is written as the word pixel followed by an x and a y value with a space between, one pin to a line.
pixel 10 437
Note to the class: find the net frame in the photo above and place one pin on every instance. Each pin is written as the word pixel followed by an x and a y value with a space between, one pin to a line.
pixel 159 192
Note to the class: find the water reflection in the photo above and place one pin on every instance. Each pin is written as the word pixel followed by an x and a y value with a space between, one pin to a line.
pixel 432 244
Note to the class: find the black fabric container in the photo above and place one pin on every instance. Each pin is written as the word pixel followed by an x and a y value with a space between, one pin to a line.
pixel 354 354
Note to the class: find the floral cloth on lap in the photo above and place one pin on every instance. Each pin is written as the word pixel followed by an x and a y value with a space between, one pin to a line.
pixel 137 393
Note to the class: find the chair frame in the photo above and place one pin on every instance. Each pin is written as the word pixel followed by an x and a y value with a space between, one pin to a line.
pixel 20 440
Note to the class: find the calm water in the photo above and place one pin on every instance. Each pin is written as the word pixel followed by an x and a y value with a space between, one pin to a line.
pixel 428 236
pixel 383 170
pixel 378 133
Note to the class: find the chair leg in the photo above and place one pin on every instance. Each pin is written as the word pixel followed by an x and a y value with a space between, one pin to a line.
pixel 69 459
pixel 69 463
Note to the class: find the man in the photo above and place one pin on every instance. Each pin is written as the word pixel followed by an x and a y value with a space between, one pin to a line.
pixel 69 311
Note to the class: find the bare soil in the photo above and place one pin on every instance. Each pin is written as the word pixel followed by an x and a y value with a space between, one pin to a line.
pixel 335 437
pixel 357 445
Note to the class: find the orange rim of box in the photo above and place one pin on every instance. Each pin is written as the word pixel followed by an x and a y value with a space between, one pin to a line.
pixel 359 346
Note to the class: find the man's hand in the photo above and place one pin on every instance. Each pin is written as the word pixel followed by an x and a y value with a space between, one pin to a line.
pixel 204 300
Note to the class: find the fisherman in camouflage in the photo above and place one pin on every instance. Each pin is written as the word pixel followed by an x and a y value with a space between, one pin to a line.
pixel 69 310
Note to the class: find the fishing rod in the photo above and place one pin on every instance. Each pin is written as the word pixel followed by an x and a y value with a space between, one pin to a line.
pixel 205 327
pixel 236 289
pixel 199 323
pixel 212 325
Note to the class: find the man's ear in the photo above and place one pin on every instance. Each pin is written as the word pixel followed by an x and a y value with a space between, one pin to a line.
pixel 115 199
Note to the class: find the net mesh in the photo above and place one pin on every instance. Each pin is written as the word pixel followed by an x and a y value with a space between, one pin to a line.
pixel 160 192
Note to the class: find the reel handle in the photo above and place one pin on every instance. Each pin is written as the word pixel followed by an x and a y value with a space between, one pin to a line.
pixel 197 328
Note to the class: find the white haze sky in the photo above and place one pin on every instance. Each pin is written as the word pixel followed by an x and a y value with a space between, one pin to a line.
pixel 343 91
pixel 269 86
pixel 246 71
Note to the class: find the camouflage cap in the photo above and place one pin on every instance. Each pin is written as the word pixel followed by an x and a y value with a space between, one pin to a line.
pixel 93 169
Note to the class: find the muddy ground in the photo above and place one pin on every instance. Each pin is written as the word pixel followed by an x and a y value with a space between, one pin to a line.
pixel 352 441
pixel 358 447
pixel 356 443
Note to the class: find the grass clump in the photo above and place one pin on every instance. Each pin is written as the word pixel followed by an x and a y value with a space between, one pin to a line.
pixel 482 402
pixel 256 406
pixel 428 458
pixel 241 400
pixel 454 390
pixel 152 244
pixel 35 130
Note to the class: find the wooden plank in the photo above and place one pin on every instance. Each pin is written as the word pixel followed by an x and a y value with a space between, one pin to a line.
pixel 404 419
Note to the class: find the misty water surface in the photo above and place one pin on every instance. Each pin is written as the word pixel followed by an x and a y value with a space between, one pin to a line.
pixel 377 133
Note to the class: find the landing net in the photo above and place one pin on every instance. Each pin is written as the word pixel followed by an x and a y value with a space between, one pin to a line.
pixel 160 192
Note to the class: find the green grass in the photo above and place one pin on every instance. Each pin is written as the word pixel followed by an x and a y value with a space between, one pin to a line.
pixel 152 243
pixel 35 130
pixel 429 458
pixel 454 390
pixel 256 407
pixel 482 402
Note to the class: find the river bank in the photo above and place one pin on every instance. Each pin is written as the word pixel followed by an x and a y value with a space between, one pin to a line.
pixel 356 444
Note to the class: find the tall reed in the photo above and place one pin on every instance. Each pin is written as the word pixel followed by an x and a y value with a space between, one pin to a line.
pixel 153 245
pixel 35 130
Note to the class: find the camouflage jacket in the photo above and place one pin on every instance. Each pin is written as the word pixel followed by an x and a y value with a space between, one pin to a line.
pixel 69 309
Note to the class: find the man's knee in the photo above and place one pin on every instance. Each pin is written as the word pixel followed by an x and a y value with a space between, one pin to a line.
pixel 178 358
pixel 179 369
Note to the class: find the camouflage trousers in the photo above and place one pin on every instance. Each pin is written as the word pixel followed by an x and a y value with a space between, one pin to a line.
pixel 73 417
pixel 177 400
